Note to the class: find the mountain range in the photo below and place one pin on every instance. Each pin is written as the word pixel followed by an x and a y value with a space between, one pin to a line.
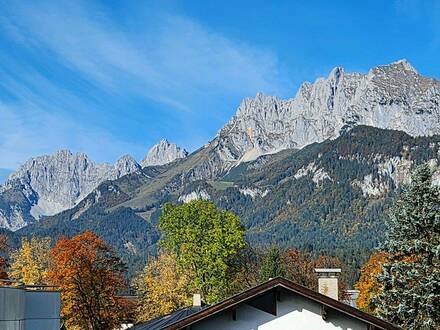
pixel 316 171
pixel 49 184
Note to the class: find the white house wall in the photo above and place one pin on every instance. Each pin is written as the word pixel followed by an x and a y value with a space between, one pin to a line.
pixel 293 312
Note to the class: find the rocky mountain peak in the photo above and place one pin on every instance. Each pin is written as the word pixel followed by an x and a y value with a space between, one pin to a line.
pixel 397 71
pixel 335 74
pixel 126 165
pixel 162 153
pixel 50 184
pixel 392 96
pixel 404 64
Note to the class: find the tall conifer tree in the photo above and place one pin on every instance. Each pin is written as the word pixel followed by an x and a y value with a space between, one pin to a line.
pixel 411 277
pixel 272 265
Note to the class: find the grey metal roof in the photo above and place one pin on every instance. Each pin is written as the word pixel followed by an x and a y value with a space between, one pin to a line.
pixel 163 321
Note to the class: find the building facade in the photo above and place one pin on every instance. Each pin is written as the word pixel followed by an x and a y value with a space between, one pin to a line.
pixel 277 304
pixel 29 308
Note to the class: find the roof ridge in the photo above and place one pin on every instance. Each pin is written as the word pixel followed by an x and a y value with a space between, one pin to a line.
pixel 287 284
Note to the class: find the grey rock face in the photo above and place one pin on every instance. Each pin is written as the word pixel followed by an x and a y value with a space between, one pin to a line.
pixel 125 165
pixel 393 96
pixel 163 153
pixel 55 183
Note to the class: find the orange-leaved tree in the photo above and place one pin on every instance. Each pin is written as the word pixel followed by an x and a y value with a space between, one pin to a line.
pixel 4 248
pixel 368 285
pixel 300 268
pixel 89 275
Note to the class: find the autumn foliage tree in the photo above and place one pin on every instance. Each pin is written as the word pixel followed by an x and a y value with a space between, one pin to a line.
pixel 89 275
pixel 300 268
pixel 161 288
pixel 259 264
pixel 368 285
pixel 30 262
pixel 4 248
pixel 245 270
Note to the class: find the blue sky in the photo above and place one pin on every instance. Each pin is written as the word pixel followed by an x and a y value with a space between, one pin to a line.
pixel 113 77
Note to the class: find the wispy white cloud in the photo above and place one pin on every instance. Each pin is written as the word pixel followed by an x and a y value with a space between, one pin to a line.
pixel 164 58
pixel 32 124
pixel 168 58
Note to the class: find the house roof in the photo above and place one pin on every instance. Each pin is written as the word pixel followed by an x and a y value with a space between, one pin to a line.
pixel 180 321
pixel 163 322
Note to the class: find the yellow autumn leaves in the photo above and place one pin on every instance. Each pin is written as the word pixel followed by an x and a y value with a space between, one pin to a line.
pixel 161 288
pixel 30 263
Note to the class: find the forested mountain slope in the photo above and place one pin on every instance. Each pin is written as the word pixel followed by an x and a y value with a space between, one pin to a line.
pixel 328 197
pixel 392 96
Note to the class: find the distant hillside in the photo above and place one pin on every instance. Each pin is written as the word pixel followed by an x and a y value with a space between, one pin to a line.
pixel 328 197
pixel 393 96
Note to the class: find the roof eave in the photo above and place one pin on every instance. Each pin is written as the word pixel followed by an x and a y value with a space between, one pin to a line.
pixel 281 282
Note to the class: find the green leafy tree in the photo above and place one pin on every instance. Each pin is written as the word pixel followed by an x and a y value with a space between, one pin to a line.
pixel 411 277
pixel 205 241
pixel 273 264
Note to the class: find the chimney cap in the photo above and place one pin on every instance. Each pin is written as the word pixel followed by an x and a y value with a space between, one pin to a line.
pixel 352 291
pixel 327 270
pixel 197 300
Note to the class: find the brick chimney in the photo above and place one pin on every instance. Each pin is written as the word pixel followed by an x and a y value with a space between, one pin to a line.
pixel 328 281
